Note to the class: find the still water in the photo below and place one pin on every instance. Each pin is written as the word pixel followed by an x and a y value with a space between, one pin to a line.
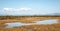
pixel 16 24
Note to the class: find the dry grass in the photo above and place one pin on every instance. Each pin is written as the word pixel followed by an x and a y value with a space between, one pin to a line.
pixel 53 27
pixel 26 19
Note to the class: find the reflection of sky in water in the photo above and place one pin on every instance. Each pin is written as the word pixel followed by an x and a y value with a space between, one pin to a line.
pixel 46 22
pixel 36 22
pixel 16 24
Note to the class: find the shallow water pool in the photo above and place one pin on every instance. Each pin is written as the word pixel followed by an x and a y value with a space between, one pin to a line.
pixel 16 24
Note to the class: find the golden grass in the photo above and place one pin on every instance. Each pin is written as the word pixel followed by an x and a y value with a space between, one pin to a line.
pixel 53 27
pixel 27 19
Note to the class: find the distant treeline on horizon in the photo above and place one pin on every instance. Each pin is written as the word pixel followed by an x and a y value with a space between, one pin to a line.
pixel 51 14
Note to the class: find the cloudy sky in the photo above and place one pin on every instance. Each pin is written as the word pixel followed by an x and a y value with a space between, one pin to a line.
pixel 29 7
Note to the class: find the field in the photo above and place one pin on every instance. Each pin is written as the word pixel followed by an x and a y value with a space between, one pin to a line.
pixel 29 19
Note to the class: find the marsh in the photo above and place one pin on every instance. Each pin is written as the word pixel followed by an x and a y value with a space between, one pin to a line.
pixel 16 24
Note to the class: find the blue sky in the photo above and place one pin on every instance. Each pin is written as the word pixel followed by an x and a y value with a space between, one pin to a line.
pixel 29 7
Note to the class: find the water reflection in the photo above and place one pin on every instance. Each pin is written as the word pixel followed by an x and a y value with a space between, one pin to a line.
pixel 15 24
pixel 47 21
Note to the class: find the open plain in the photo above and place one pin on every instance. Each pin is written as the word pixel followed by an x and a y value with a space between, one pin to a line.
pixel 29 19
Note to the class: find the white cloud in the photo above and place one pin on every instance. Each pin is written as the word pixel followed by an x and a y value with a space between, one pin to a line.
pixel 19 9
pixel 25 9
pixel 8 9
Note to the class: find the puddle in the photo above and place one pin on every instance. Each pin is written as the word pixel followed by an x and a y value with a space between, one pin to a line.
pixel 16 24
pixel 47 21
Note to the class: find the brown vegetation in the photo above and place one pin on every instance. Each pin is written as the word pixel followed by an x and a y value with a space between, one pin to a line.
pixel 53 27
pixel 27 19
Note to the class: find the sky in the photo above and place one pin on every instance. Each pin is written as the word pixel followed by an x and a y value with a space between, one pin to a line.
pixel 29 7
